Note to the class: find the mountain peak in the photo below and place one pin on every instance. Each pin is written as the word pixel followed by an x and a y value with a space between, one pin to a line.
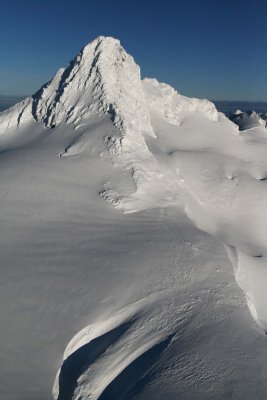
pixel 103 49
pixel 101 41
pixel 94 80
pixel 102 79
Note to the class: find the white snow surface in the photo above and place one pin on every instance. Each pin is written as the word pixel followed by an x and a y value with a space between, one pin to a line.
pixel 122 205
pixel 248 119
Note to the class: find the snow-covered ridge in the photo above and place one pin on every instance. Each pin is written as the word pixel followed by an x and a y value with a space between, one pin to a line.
pixel 105 361
pixel 172 105
pixel 102 78
pixel 248 119
pixel 16 116
pixel 174 158
pixel 170 146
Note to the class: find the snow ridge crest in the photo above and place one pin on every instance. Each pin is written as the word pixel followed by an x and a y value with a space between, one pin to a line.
pixel 101 78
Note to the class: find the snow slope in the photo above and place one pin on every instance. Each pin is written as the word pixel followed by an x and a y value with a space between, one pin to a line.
pixel 118 197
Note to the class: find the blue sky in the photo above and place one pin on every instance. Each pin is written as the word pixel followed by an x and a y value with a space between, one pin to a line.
pixel 204 48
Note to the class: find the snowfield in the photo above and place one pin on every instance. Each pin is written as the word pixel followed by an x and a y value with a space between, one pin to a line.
pixel 133 240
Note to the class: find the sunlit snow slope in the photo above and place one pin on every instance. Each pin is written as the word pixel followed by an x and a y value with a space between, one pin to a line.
pixel 117 197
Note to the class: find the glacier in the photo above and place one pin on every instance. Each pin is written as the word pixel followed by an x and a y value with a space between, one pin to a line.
pixel 123 204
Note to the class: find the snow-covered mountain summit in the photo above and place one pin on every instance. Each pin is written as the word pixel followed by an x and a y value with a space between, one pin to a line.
pixel 99 105
pixel 101 78
pixel 148 292
pixel 97 80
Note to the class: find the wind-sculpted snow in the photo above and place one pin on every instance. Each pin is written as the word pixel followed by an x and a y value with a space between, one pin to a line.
pixel 104 79
pixel 249 119
pixel 107 360
pixel 222 176
pixel 153 292
pixel 16 116
pixel 171 105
